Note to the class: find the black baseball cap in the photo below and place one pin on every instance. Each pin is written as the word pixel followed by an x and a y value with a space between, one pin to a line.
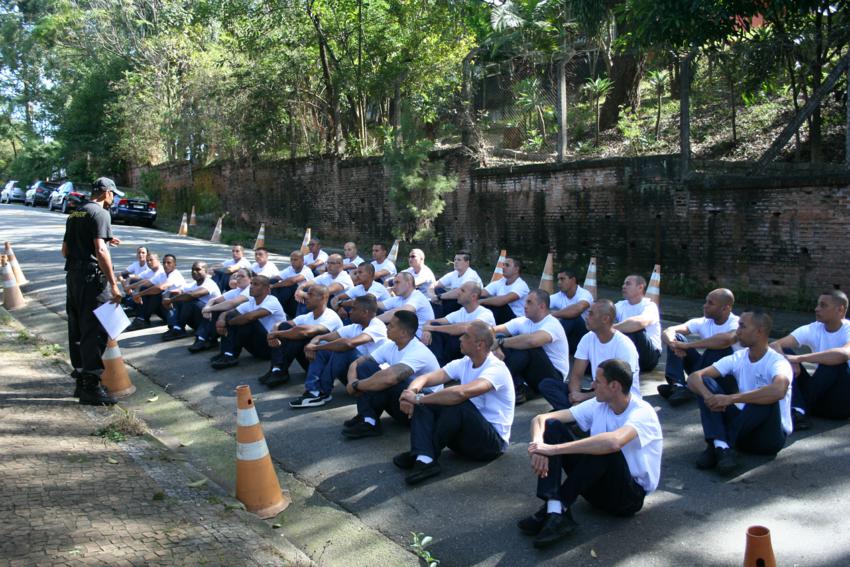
pixel 103 184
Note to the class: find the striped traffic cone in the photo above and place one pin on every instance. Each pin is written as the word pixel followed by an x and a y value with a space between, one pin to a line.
pixel 261 237
pixel 16 268
pixel 115 378
pixel 590 278
pixel 184 227
pixel 498 274
pixel 192 220
pixel 216 235
pixel 306 241
pixel 12 296
pixel 393 255
pixel 653 290
pixel 257 486
pixel 547 280
pixel 759 549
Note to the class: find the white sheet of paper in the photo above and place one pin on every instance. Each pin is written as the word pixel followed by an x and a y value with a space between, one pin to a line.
pixel 113 319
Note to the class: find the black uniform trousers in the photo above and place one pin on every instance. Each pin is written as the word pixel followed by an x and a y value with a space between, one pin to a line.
pixel 86 337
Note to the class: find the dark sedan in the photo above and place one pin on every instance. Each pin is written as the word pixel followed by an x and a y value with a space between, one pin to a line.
pixel 39 193
pixel 134 207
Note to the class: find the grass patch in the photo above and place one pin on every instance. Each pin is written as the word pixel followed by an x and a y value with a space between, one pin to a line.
pixel 126 423
pixel 50 350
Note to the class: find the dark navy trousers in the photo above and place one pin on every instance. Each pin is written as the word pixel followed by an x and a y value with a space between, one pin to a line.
pixel 251 337
pixel 327 367
pixel 648 356
pixel 461 428
pixel 374 404
pixel 825 393
pixel 289 350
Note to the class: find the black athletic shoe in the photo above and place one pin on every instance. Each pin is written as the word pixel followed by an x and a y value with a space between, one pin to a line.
pixel 533 523
pixel 708 458
pixel 226 361
pixel 405 460
pixel 521 396
pixel 352 422
pixel 216 357
pixel 200 346
pixel 422 472
pixel 78 382
pixel 681 395
pixel 276 379
pixel 555 528
pixel 138 324
pixel 801 421
pixel 727 462
pixel 664 390
pixel 173 335
pixel 363 429
pixel 309 400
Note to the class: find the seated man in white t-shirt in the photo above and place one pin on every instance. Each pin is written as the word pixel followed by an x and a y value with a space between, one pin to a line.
pixel 335 279
pixel 163 284
pixel 365 283
pixel 472 419
pixel 422 274
pixel 351 259
pixel 206 336
pixel 442 335
pixel 290 338
pixel 248 325
pixel 506 297
pixel 378 379
pixel 569 305
pixel 331 354
pixel 602 343
pixel 614 468
pixel 755 416
pixel 384 268
pixel 262 266
pixel 407 298
pixel 131 274
pixel 316 258
pixel 222 273
pixel 826 392
pixel 131 300
pixel 716 331
pixel 185 307
pixel 535 347
pixel 445 290
pixel 286 284
pixel 638 318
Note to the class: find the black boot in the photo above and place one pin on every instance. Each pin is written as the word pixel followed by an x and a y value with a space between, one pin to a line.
pixel 92 393
pixel 78 387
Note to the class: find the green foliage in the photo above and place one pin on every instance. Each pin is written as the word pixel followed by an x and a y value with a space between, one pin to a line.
pixel 150 182
pixel 419 546
pixel 597 89
pixel 633 132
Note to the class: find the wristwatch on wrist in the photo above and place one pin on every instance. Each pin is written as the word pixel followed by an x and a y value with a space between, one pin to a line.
pixel 500 341
pixel 418 399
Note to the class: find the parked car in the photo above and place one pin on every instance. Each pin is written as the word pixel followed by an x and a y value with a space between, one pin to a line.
pixel 12 193
pixel 39 193
pixel 67 197
pixel 134 207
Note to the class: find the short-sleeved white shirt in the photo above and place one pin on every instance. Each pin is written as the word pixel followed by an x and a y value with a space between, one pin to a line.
pixel 643 453
pixel 322 258
pixel 496 405
pixel 149 274
pixel 385 265
pixel 343 278
pixel 377 290
pixel 415 356
pixel 753 375
pixel 269 270
pixel 480 313
pixel 424 311
pixel 174 280
pixel 453 280
pixel 236 292
pixel 816 337
pixel 271 304
pixel 242 263
pixel 375 329
pixel 558 349
pixel 136 269
pixel 209 285
pixel 328 319
pixel 645 306
pixel 423 279
pixel 559 300
pixel 289 272
pixel 591 349
pixel 707 328
pixel 519 287
pixel 357 260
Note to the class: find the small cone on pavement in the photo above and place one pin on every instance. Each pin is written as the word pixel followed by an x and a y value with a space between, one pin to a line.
pixel 261 237
pixel 192 220
pixel 590 278
pixel 653 290
pixel 216 235
pixel 257 486
pixel 115 378
pixel 759 551
pixel 16 268
pixel 184 227
pixel 393 255
pixel 547 280
pixel 12 296
pixel 305 242
pixel 498 274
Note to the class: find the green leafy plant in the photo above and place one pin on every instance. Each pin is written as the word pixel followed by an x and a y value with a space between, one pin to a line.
pixel 419 547
pixel 597 89
pixel 659 80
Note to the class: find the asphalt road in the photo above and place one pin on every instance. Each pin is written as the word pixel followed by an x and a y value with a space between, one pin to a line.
pixel 694 518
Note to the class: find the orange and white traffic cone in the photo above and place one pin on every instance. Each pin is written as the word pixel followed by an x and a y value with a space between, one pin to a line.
pixel 184 227
pixel 653 290
pixel 16 268
pixel 393 255
pixel 115 378
pixel 759 549
pixel 192 220
pixel 12 296
pixel 261 237
pixel 547 280
pixel 257 486
pixel 498 273
pixel 305 242
pixel 216 235
pixel 590 278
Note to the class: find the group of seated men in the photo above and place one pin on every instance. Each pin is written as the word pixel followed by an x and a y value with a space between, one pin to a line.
pixel 452 358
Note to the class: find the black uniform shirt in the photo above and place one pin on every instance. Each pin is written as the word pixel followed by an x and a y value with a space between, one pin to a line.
pixel 84 225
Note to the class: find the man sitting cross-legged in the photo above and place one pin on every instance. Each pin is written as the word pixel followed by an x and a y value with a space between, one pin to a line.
pixel 407 298
pixel 757 418
pixel 286 284
pixel 335 279
pixel 351 260
pixel 506 297
pixel 445 290
pixel 378 379
pixel 161 285
pixel 185 307
pixel 316 258
pixel 365 283
pixel 222 272
pixel 613 469
pixel 206 335
pixel 331 354
pixel 134 272
pixel 473 418
pixel 289 340
pixel 638 318
pixel 421 273
pixel 442 335
pixel 384 268
pixel 569 305
pixel 262 266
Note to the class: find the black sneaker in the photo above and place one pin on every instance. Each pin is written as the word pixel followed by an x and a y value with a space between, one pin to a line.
pixel 92 392
pixel 520 396
pixel 265 377
pixel 352 422
pixel 216 357
pixel 363 429
pixel 308 400
pixel 708 458
pixel 138 324
pixel 555 528
pixel 533 523
pixel 405 460
pixel 801 421
pixel 226 361
pixel 200 346
pixel 78 382
pixel 681 395
pixel 727 462
pixel 421 472
pixel 664 390
pixel 276 379
pixel 173 335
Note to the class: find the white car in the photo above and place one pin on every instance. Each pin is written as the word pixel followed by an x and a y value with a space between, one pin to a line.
pixel 12 193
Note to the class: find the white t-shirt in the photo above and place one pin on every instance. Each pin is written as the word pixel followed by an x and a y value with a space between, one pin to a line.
pixel 559 300
pixel 343 279
pixel 519 287
pixel 424 311
pixel 271 304
pixel 236 292
pixel 497 405
pixel 136 269
pixel 558 349
pixel 415 356
pixel 453 280
pixel 596 352
pixel 751 376
pixel 149 274
pixel 269 270
pixel 289 272
pixel 328 319
pixel 375 329
pixel 322 258
pixel 356 261
pixel 645 307
pixel 423 279
pixel 242 263
pixel 209 285
pixel 377 290
pixel 707 328
pixel 643 453
pixel 816 337
pixel 174 280
pixel 385 265
pixel 480 313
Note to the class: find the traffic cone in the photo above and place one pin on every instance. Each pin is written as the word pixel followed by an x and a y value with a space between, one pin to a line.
pixel 216 235
pixel 261 237
pixel 547 280
pixel 498 274
pixel 115 378
pixel 16 268
pixel 759 549
pixel 192 220
pixel 590 278
pixel 305 242
pixel 653 290
pixel 184 227
pixel 393 255
pixel 257 486
pixel 12 296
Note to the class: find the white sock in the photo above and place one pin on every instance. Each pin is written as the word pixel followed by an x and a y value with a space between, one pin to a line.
pixel 200 338
pixel 370 421
pixel 275 369
pixel 177 328
pixel 424 459
pixel 801 411
pixel 228 354
pixel 315 393
pixel 718 444
pixel 554 507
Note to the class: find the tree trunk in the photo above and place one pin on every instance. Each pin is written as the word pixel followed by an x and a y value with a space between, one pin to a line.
pixel 847 124
pixel 685 113
pixel 563 138
pixel 335 137
pixel 817 69
pixel 793 79
pixel 626 72
pixel 733 105
pixel 658 114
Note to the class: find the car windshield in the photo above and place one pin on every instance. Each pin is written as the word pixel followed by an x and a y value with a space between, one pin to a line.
pixel 130 193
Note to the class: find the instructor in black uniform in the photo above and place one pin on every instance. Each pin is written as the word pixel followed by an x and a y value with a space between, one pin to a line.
pixel 90 282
